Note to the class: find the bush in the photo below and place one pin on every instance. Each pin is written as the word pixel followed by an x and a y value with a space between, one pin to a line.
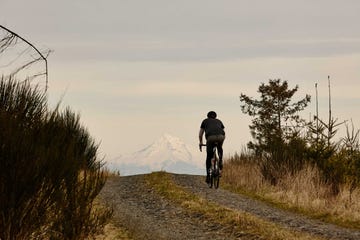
pixel 81 180
pixel 49 171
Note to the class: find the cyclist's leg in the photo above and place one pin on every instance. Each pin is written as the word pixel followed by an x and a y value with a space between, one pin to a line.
pixel 220 139
pixel 209 154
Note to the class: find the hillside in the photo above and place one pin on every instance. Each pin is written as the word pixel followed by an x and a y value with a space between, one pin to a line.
pixel 174 206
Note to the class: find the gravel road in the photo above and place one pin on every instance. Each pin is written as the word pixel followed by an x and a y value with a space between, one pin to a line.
pixel 147 215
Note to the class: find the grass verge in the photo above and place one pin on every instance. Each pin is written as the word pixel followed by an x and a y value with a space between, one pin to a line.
pixel 112 232
pixel 302 193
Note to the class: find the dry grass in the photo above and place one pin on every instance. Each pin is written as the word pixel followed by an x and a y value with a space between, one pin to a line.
pixel 110 173
pixel 112 232
pixel 244 175
pixel 304 192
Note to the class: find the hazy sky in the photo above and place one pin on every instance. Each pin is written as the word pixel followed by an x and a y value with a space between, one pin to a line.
pixel 137 69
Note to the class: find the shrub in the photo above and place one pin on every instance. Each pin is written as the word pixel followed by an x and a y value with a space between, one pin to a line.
pixel 24 196
pixel 81 181
pixel 49 170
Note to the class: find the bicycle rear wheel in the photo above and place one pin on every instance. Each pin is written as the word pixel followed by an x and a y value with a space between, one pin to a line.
pixel 216 180
pixel 211 182
pixel 216 172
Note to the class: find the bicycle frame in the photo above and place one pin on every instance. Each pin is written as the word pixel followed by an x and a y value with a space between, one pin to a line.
pixel 214 169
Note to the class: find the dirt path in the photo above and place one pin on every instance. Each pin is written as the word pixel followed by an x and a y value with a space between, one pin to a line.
pixel 149 216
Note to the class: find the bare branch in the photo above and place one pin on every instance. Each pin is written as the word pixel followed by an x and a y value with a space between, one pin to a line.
pixel 10 38
pixel 25 66
pixel 16 58
pixel 6 42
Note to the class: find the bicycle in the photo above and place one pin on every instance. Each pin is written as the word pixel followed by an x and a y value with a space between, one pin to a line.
pixel 214 169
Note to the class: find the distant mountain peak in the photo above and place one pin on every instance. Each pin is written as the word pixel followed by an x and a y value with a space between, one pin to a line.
pixel 170 147
pixel 167 153
pixel 169 137
pixel 170 141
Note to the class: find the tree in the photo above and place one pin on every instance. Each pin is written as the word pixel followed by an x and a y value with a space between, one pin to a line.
pixel 276 123
pixel 276 119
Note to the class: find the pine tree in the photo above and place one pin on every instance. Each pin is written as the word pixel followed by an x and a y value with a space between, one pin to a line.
pixel 276 123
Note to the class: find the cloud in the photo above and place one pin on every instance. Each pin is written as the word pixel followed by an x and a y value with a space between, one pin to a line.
pixel 189 30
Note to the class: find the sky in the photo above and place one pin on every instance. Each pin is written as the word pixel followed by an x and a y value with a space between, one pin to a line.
pixel 136 69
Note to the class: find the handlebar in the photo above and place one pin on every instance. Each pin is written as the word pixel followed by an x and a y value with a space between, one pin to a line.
pixel 204 145
pixel 200 146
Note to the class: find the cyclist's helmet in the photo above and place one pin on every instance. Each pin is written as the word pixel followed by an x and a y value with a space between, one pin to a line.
pixel 211 114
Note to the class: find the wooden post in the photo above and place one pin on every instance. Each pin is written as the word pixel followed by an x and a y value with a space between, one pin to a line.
pixel 330 117
pixel 317 114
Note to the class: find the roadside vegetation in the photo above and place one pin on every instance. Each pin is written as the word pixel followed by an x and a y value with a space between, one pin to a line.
pixel 112 232
pixel 294 163
pixel 50 173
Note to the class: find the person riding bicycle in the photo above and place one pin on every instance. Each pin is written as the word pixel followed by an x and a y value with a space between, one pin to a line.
pixel 215 136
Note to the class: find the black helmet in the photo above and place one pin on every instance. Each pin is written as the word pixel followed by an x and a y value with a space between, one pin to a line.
pixel 211 114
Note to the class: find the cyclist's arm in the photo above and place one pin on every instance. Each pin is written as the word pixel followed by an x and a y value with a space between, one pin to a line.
pixel 201 134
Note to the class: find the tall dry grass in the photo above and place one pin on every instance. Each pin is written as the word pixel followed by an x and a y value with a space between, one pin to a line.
pixel 304 191
pixel 308 191
pixel 244 175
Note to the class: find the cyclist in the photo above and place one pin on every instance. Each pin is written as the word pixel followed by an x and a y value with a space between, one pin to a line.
pixel 214 134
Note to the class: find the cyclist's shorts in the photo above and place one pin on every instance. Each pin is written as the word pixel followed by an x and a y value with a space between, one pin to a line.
pixel 215 138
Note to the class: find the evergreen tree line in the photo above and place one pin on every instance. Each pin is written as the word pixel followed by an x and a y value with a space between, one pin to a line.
pixel 50 173
pixel 283 142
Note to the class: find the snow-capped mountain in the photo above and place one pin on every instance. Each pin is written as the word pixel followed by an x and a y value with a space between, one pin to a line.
pixel 168 153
